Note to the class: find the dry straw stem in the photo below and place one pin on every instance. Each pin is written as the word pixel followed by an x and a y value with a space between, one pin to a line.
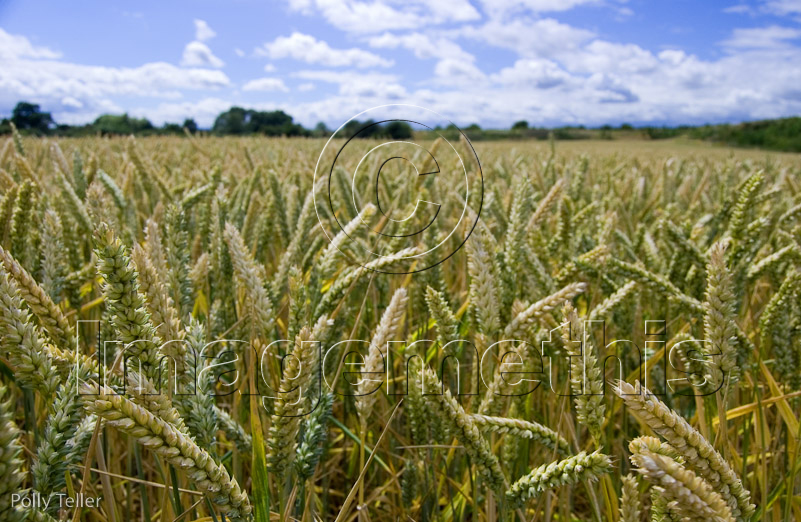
pixel 46 311
pixel 175 447
pixel 524 429
pixel 517 327
pixel 694 495
pixel 698 453
pixel 558 473
pixel 376 360
pixel 463 427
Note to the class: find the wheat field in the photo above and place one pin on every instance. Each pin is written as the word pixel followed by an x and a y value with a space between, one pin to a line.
pixel 121 257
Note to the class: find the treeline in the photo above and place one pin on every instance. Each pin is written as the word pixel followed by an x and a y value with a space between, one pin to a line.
pixel 30 119
pixel 782 134
pixel 779 134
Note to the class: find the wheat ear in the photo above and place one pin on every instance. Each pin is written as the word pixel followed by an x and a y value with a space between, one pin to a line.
pixel 250 280
pixel 584 370
pixel 174 446
pixel 517 327
pixel 293 390
pixel 697 452
pixel 463 427
pixel 124 302
pixel 719 325
pixel 377 357
pixel 694 495
pixel 46 311
pixel 524 429
pixel 20 337
pixel 11 476
pixel 558 473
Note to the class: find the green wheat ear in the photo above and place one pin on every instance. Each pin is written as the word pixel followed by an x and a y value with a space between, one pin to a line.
pixel 11 475
pixel 568 471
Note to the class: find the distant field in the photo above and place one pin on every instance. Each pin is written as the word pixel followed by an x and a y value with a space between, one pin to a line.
pixel 687 253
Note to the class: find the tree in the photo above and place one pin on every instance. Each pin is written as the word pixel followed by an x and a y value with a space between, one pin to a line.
pixel 28 116
pixel 190 125
pixel 398 130
pixel 121 124
pixel 231 121
pixel 321 130
pixel 520 125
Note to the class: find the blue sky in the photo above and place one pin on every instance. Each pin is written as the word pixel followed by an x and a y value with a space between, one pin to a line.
pixel 551 62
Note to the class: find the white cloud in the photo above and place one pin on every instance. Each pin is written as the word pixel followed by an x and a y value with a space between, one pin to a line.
pixel 784 7
pixel 203 112
pixel 16 46
pixel 600 56
pixel 543 37
pixel 359 85
pixel 239 52
pixel 265 84
pixel 308 49
pixel 202 31
pixel 77 93
pixel 382 15
pixel 532 72
pixel 763 37
pixel 198 54
pixel 344 76
pixel 739 9
pixel 306 87
pixel 505 7
pixel 457 72
pixel 269 68
pixel 423 46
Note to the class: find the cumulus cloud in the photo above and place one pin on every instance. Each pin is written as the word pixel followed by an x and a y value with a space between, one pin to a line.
pixel 532 72
pixel 265 84
pixel 456 72
pixel 306 87
pixel 505 7
pixel 76 93
pixel 202 31
pixel 306 48
pixel 763 37
pixel 16 46
pixel 198 54
pixel 423 46
pixel 544 37
pixel 784 7
pixel 376 16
